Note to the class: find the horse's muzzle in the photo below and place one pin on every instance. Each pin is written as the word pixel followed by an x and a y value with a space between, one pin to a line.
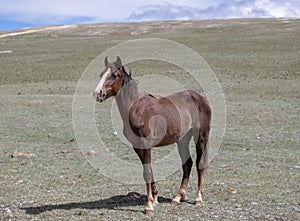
pixel 100 96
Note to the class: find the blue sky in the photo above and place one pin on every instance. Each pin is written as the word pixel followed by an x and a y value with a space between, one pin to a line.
pixel 15 14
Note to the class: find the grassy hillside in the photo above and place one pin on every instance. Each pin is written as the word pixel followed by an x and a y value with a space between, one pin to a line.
pixel 257 62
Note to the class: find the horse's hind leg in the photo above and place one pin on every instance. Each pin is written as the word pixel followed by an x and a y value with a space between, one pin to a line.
pixel 201 161
pixel 187 163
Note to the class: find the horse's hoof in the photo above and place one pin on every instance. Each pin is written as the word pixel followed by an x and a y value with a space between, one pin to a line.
pixel 149 211
pixel 175 203
pixel 198 203
pixel 184 199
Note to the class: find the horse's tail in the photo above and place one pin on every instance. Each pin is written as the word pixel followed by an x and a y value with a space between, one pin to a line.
pixel 202 132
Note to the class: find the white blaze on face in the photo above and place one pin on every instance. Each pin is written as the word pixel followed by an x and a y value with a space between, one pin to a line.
pixel 102 80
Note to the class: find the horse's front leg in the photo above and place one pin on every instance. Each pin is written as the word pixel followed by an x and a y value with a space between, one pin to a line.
pixel 148 178
pixel 145 157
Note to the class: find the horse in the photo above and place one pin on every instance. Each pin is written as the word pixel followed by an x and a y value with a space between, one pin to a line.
pixel 150 121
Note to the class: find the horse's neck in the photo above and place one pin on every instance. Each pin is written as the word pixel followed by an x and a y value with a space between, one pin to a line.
pixel 125 98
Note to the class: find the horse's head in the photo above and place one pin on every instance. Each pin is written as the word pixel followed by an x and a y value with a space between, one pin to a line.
pixel 111 80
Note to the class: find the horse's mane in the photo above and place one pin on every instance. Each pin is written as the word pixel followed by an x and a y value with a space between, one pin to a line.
pixel 127 77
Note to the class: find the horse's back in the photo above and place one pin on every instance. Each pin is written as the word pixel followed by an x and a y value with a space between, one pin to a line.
pixel 190 99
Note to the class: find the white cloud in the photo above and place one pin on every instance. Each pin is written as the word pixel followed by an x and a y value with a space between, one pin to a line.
pixel 256 8
pixel 277 8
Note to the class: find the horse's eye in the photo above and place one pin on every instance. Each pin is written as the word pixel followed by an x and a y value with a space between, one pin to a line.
pixel 113 76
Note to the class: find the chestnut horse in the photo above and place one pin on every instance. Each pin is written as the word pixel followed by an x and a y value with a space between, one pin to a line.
pixel 151 122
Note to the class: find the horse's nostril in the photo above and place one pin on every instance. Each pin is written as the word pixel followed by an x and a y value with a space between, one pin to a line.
pixel 102 95
pixel 97 93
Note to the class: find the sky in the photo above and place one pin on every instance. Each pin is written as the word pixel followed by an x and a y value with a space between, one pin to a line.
pixel 15 14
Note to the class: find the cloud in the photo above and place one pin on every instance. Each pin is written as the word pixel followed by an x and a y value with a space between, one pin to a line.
pixel 253 9
pixel 35 12
pixel 258 8
pixel 227 9
pixel 279 8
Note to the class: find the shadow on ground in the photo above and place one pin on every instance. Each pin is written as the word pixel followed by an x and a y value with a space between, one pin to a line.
pixel 112 203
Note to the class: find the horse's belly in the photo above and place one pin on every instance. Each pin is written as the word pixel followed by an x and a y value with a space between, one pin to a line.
pixel 167 141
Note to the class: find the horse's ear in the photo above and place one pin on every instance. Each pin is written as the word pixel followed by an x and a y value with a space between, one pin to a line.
pixel 118 62
pixel 106 62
